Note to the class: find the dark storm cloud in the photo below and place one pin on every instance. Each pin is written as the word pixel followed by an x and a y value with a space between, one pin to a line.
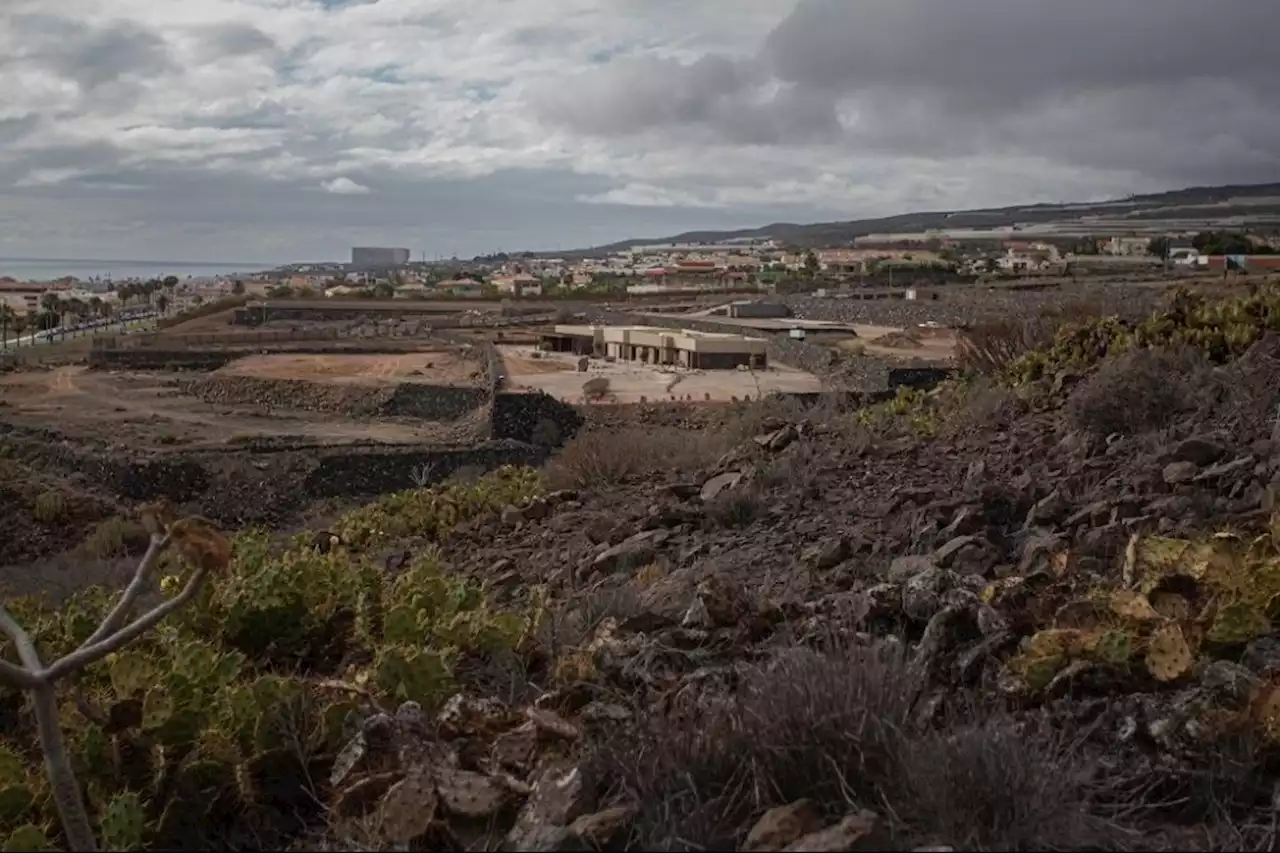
pixel 635 95
pixel 1001 53
pixel 92 56
pixel 1175 90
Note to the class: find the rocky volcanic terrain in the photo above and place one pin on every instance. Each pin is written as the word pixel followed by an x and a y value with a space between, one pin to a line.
pixel 1028 611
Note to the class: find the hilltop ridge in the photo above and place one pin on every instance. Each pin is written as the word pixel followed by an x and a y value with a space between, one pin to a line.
pixel 1191 208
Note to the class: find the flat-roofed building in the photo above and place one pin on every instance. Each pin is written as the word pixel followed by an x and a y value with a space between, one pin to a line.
pixel 658 346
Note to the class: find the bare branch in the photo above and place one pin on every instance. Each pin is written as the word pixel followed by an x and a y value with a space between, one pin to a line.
pixel 120 613
pixel 17 677
pixel 84 656
pixel 62 779
pixel 22 640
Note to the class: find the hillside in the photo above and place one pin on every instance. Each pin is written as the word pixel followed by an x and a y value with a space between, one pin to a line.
pixel 1190 208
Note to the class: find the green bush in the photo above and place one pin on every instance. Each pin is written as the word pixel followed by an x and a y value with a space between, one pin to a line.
pixel 220 714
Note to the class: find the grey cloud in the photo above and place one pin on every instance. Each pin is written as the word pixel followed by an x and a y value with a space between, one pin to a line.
pixel 234 39
pixel 1175 90
pixel 91 56
pixel 1003 52
pixel 86 159
pixel 724 95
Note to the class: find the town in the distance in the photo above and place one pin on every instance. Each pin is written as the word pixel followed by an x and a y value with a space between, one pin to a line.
pixel 33 311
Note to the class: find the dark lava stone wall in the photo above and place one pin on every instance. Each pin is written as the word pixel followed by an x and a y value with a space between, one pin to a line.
pixel 149 359
pixel 517 416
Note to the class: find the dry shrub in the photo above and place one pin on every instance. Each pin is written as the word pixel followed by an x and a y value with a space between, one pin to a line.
pixel 1140 391
pixel 841 730
pixel 601 458
pixel 796 467
pixel 987 346
pixel 571 624
pixel 116 537
pixel 736 507
pixel 51 507
pixel 986 406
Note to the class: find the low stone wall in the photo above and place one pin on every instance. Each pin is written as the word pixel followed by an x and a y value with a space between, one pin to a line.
pixel 922 378
pixel 519 417
pixel 179 478
pixel 433 402
pixel 296 394
pixel 158 359
pixel 406 399
pixel 264 485
pixel 375 473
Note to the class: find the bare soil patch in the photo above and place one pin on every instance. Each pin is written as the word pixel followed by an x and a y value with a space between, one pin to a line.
pixel 519 364
pixel 436 367
pixel 145 410
pixel 914 343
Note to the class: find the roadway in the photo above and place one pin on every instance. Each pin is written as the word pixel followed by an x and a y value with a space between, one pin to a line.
pixel 72 333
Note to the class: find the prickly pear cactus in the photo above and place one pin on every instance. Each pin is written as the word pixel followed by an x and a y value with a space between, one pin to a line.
pixel 409 807
pixel 124 823
pixel 1168 655
pixel 26 838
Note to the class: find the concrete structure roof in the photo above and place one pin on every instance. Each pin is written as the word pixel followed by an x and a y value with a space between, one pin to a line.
pixel 654 336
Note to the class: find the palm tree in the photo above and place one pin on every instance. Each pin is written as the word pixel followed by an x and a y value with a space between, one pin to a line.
pixel 8 317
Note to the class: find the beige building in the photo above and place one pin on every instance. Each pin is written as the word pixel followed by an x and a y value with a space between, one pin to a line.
pixel 651 345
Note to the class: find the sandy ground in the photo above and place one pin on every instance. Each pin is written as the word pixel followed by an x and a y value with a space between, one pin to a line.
pixel 142 410
pixel 628 381
pixel 519 361
pixel 440 367
pixel 932 345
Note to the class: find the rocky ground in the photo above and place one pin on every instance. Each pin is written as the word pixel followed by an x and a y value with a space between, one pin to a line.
pixel 820 639
pixel 1008 616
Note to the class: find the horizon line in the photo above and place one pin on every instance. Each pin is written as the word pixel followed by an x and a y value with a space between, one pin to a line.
pixel 29 258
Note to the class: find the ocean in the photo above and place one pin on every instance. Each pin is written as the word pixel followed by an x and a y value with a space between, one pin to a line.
pixel 46 269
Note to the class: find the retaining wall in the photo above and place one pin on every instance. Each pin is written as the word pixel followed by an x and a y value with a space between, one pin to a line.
pixel 519 416
pixel 158 359
pixel 406 399
pixel 263 485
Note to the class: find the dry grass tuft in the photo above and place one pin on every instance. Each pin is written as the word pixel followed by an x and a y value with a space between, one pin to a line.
pixel 51 507
pixel 601 458
pixel 986 347
pixel 843 730
pixel 1140 391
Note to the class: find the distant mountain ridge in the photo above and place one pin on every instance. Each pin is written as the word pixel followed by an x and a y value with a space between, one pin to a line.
pixel 1190 208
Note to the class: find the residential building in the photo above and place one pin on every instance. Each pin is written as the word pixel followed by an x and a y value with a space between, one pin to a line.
pixel 1125 246
pixel 520 284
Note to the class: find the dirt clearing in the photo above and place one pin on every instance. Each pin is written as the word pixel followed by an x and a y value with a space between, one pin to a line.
pixel 436 367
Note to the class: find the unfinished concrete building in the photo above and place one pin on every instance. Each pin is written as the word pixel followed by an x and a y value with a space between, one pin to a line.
pixel 651 345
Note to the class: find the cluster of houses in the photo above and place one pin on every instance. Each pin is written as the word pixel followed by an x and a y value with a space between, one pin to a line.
pixel 729 265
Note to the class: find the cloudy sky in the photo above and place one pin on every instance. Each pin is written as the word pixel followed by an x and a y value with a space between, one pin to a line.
pixel 272 130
